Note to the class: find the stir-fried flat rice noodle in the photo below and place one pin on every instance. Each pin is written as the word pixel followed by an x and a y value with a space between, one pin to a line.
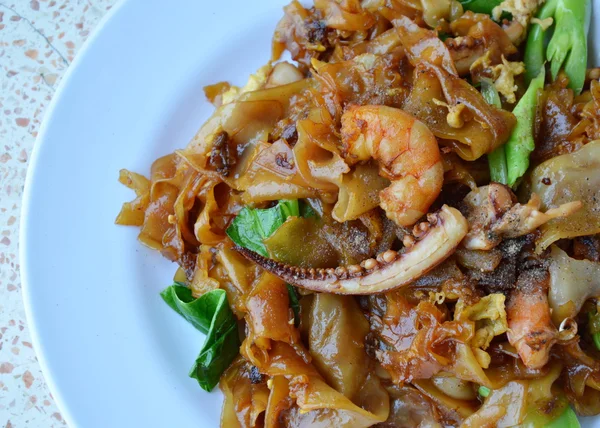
pixel 400 227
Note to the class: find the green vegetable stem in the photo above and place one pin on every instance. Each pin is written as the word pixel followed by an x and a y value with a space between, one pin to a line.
pixel 294 303
pixel 480 6
pixel 535 57
pixel 484 391
pixel 568 419
pixel 521 142
pixel 496 159
pixel 568 46
pixel 594 327
pixel 210 314
pixel 567 49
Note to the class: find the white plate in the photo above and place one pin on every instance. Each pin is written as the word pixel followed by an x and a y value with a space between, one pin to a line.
pixel 113 353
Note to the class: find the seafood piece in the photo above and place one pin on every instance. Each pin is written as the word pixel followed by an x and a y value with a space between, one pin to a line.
pixel 408 155
pixel 431 243
pixel 523 219
pixel 530 327
pixel 493 213
pixel 483 208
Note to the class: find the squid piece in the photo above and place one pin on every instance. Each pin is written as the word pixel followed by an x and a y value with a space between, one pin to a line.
pixel 433 242
pixel 484 207
pixel 531 330
pixel 523 219
pixel 493 213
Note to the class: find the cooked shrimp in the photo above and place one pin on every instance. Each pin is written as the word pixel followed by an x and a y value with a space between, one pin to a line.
pixel 531 330
pixel 408 155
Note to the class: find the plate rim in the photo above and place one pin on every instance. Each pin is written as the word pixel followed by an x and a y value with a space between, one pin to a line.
pixel 24 253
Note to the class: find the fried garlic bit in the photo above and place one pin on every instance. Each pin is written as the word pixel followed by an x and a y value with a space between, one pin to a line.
pixel 454 117
pixel 504 78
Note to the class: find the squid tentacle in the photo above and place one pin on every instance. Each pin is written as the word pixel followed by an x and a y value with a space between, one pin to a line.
pixel 433 242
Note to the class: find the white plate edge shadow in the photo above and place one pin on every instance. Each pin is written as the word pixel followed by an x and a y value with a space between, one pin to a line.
pixel 30 179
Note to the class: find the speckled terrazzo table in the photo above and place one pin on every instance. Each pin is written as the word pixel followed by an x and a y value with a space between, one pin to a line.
pixel 38 40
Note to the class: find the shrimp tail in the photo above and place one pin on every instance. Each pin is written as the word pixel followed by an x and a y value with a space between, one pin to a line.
pixel 531 330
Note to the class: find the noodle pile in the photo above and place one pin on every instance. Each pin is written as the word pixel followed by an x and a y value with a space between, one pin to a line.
pixel 270 171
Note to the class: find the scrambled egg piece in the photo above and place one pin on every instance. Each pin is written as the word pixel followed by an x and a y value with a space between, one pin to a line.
pixel 483 358
pixel 483 61
pixel 255 82
pixel 504 78
pixel 521 10
pixel 437 298
pixel 489 316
